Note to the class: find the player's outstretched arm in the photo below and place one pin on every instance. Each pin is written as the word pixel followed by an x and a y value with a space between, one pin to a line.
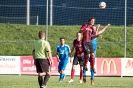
pixel 97 27
pixel 96 31
pixel 103 29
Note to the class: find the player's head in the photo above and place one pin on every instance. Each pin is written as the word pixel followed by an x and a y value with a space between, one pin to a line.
pixel 78 35
pixel 41 35
pixel 62 40
pixel 91 21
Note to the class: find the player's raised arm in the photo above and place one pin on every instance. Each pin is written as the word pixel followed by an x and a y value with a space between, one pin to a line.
pixel 97 27
pixel 103 29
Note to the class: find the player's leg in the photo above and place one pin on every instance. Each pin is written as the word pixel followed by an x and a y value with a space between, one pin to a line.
pixel 59 70
pixel 72 74
pixel 95 48
pixel 40 79
pixel 81 73
pixel 92 63
pixel 92 75
pixel 84 75
pixel 92 56
pixel 92 69
pixel 86 49
pixel 45 68
pixel 39 71
pixel 84 71
pixel 75 62
pixel 81 62
pixel 86 62
pixel 63 67
pixel 46 78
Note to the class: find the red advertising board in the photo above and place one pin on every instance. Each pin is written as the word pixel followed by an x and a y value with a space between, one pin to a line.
pixel 108 66
pixel 27 66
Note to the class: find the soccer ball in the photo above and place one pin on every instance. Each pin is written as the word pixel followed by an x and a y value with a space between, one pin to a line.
pixel 102 5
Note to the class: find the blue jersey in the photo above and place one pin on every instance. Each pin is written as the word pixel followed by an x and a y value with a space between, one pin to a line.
pixel 63 52
pixel 94 43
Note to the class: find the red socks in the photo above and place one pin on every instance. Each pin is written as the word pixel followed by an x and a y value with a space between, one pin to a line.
pixel 86 62
pixel 92 63
pixel 81 74
pixel 72 73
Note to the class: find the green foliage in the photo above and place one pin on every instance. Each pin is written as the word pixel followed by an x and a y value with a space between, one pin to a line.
pixel 15 81
pixel 17 40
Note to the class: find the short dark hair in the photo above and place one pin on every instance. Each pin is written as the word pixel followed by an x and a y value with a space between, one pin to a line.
pixel 41 34
pixel 91 19
pixel 62 38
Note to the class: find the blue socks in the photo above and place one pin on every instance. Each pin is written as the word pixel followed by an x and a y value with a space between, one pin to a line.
pixel 92 74
pixel 84 73
pixel 62 75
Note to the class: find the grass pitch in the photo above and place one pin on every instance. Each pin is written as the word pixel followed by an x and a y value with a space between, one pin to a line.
pixel 15 81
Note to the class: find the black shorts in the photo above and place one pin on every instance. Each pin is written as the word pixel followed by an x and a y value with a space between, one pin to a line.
pixel 87 47
pixel 42 65
pixel 78 60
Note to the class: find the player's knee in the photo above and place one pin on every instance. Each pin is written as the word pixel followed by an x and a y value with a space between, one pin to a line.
pixel 40 74
pixel 73 67
pixel 59 71
pixel 81 67
pixel 92 55
pixel 62 71
pixel 88 55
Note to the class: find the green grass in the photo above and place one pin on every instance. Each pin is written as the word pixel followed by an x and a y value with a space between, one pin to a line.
pixel 16 81
pixel 17 39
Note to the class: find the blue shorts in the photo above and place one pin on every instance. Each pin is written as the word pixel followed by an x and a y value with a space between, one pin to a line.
pixel 62 65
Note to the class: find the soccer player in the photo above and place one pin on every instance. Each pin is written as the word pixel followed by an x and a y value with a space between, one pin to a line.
pixel 42 59
pixel 94 43
pixel 87 30
pixel 78 56
pixel 62 54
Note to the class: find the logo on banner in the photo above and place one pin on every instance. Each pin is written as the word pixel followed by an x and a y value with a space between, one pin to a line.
pixel 108 63
pixel 129 64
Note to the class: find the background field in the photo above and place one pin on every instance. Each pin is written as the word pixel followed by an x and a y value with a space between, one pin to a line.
pixel 15 81
pixel 17 40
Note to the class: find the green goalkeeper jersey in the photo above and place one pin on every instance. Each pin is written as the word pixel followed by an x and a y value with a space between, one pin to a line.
pixel 41 49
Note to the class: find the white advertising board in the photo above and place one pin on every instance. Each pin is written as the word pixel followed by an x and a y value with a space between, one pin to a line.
pixel 9 64
pixel 127 66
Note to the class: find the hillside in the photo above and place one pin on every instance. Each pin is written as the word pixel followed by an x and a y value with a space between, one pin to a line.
pixel 17 40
